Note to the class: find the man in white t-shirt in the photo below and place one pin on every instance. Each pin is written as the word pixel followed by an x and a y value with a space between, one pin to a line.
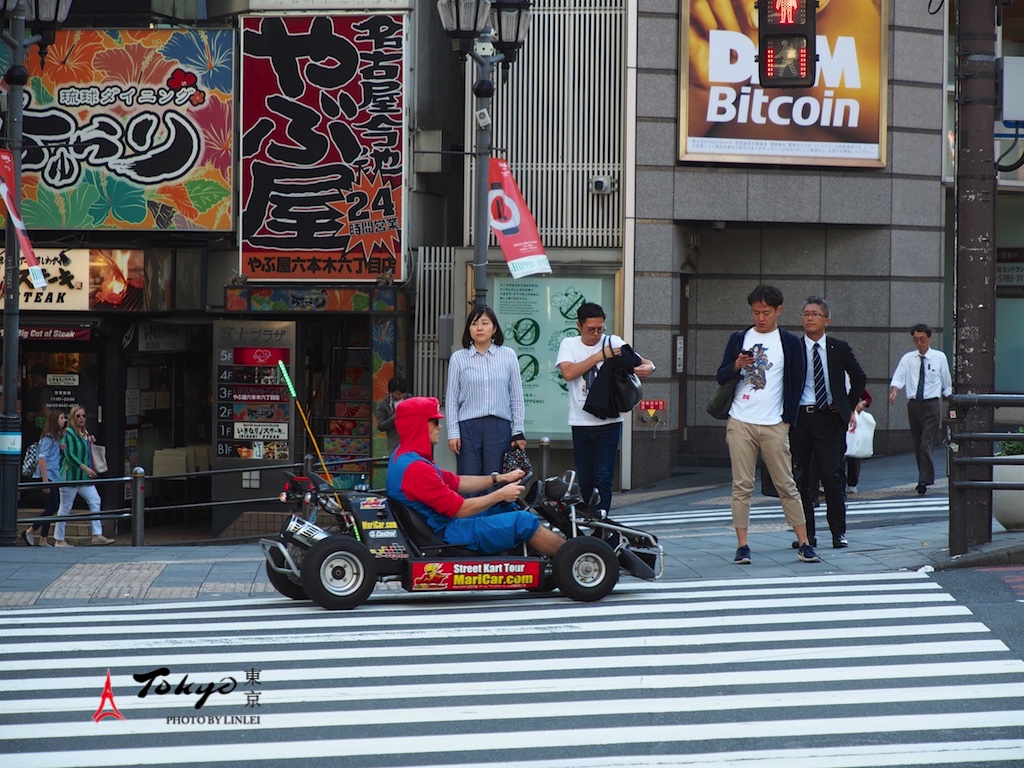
pixel 771 364
pixel 595 441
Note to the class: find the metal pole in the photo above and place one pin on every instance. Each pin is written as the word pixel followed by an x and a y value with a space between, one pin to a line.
pixel 970 518
pixel 138 506
pixel 545 457
pixel 483 90
pixel 10 423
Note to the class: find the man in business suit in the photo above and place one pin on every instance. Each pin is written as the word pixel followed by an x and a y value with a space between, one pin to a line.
pixel 825 414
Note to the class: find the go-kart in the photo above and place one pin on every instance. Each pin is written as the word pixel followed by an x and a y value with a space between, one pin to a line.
pixel 370 537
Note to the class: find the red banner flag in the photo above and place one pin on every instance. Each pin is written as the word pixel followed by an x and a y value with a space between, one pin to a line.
pixel 7 191
pixel 513 224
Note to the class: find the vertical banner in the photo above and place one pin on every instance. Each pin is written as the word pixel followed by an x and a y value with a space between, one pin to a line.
pixel 726 117
pixel 7 184
pixel 323 147
pixel 513 224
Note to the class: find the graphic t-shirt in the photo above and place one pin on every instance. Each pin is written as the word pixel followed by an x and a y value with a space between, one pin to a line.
pixel 758 398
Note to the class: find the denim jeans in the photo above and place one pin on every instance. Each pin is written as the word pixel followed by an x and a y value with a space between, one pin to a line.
pixel 594 450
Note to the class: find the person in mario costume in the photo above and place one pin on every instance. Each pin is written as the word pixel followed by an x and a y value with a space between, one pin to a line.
pixel 489 523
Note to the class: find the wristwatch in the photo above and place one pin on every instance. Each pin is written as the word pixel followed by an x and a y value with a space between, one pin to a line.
pixel 494 478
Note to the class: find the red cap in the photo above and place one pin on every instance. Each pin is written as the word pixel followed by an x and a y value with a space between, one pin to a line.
pixel 423 407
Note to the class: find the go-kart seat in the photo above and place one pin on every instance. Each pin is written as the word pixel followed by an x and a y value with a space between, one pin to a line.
pixel 419 533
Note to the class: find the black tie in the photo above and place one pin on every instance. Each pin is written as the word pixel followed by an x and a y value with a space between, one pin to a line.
pixel 920 382
pixel 820 393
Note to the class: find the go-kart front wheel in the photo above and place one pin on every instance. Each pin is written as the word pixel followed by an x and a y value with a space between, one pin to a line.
pixel 585 568
pixel 339 573
pixel 282 582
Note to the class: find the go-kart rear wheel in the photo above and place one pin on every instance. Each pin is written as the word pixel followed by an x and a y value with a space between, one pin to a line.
pixel 283 583
pixel 339 573
pixel 585 569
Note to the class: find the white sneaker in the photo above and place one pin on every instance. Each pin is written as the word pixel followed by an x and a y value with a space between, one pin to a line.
pixel 851 489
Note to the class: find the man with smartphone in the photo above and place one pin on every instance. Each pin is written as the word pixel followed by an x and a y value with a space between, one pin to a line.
pixel 772 366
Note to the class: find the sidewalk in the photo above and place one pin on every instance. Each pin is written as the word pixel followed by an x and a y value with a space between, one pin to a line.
pixel 81 575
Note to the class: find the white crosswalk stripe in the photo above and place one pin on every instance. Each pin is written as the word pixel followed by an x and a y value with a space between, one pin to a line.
pixel 893 508
pixel 887 668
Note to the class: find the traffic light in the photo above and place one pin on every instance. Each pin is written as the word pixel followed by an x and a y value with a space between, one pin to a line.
pixel 786 52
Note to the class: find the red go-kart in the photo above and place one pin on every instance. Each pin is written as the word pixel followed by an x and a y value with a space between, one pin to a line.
pixel 367 537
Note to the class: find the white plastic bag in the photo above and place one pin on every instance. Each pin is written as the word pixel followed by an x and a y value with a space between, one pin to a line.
pixel 860 442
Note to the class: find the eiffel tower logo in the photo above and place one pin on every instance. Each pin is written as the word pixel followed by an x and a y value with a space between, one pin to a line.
pixel 107 707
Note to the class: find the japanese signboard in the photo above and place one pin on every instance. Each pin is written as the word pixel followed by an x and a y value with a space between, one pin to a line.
pixel 252 417
pixel 1010 272
pixel 130 129
pixel 536 314
pixel 99 280
pixel 726 116
pixel 323 147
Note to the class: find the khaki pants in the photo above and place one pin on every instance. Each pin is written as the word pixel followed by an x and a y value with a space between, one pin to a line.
pixel 745 442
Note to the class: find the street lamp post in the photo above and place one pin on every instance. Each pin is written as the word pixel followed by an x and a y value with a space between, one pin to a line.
pixel 47 14
pixel 489 32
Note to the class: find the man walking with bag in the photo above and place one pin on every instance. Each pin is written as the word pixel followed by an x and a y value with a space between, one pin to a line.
pixel 595 441
pixel 771 365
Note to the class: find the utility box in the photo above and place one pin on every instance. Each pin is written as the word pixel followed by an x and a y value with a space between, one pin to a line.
pixel 1013 88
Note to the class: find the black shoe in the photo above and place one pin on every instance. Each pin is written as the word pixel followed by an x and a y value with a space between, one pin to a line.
pixel 742 555
pixel 922 488
pixel 840 542
pixel 796 544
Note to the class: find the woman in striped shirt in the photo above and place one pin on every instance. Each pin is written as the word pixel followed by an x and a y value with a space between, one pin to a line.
pixel 484 408
pixel 77 465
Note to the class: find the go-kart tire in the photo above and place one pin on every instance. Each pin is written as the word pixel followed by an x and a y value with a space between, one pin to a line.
pixel 339 573
pixel 283 583
pixel 585 569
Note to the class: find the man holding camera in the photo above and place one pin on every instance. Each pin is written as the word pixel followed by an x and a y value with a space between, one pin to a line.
pixel 771 365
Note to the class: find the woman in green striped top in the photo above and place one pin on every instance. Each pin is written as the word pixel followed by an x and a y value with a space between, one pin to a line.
pixel 76 464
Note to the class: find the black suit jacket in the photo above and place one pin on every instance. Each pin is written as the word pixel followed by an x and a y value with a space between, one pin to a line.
pixel 842 361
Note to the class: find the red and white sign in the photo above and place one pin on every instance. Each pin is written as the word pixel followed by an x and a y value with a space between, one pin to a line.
pixel 7 184
pixel 260 355
pixel 513 224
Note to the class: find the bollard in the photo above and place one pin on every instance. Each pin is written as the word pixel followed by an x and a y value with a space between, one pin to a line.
pixel 138 506
pixel 545 457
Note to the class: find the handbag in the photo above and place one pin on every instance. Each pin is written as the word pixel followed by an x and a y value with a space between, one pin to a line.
pixel 627 390
pixel 516 458
pixel 860 443
pixel 28 464
pixel 722 401
pixel 99 458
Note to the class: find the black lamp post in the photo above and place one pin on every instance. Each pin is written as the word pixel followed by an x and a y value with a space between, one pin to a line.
pixel 489 32
pixel 46 16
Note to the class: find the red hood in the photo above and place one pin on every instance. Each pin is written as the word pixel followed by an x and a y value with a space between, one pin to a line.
pixel 412 416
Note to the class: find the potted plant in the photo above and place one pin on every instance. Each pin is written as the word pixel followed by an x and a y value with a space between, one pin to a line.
pixel 1008 506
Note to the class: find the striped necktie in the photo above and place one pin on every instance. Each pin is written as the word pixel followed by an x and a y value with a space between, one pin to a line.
pixel 820 393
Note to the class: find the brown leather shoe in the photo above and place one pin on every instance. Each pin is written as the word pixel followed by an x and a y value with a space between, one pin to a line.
pixel 101 541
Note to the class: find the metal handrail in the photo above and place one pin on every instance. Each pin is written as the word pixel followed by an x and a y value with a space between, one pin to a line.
pixel 138 509
pixel 970 501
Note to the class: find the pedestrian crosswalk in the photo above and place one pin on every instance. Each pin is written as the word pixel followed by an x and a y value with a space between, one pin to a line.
pixel 894 508
pixel 840 671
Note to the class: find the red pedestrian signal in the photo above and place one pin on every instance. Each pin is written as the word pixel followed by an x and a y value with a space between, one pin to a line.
pixel 787 54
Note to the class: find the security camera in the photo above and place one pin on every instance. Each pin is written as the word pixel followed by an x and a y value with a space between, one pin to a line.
pixel 603 185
